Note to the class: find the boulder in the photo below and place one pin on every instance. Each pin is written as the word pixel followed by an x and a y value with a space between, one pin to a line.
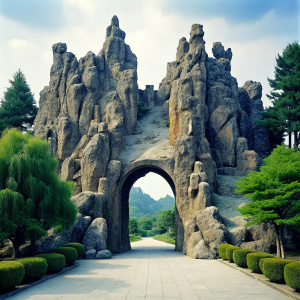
pixel 96 235
pixel 103 254
pixel 90 254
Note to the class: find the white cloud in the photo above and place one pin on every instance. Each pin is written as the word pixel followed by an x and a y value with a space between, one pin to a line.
pixel 154 185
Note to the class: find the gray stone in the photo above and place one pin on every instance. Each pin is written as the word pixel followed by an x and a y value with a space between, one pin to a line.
pixel 103 254
pixel 96 235
pixel 90 254
pixel 84 202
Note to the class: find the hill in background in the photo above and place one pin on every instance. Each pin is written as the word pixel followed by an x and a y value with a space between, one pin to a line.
pixel 141 204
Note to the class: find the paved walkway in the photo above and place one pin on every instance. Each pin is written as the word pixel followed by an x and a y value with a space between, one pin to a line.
pixel 152 270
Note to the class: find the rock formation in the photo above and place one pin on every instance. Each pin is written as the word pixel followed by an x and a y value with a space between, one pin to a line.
pixel 88 114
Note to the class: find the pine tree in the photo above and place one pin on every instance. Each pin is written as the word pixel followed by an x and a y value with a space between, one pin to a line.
pixel 18 108
pixel 275 192
pixel 32 198
pixel 285 96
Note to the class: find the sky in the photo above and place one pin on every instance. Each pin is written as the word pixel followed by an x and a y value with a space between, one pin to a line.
pixel 255 30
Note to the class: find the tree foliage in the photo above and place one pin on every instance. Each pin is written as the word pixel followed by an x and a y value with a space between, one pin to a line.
pixel 133 226
pixel 275 192
pixel 32 198
pixel 18 108
pixel 167 220
pixel 284 115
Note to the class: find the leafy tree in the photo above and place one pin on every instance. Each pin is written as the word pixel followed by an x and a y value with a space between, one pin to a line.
pixel 133 226
pixel 18 108
pixel 285 96
pixel 166 220
pixel 32 198
pixel 275 192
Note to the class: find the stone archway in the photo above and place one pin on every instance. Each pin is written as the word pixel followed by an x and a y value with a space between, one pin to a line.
pixel 199 124
pixel 127 182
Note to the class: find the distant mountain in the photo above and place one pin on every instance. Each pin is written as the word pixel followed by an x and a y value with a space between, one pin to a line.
pixel 141 204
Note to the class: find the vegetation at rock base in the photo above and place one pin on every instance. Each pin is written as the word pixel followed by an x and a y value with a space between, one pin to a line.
pixel 275 193
pixel 222 250
pixel 240 257
pixel 79 248
pixel 18 108
pixel 284 115
pixel 32 198
pixel 56 262
pixel 35 268
pixel 292 275
pixel 69 253
pixel 11 274
pixel 229 252
pixel 253 260
pixel 273 268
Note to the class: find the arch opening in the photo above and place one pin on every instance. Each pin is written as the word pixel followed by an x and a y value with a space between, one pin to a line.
pixel 128 183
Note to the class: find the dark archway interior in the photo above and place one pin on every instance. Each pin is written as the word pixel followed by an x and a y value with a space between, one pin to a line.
pixel 132 177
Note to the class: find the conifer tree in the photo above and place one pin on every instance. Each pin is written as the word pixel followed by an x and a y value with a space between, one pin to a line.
pixel 32 198
pixel 275 193
pixel 18 108
pixel 285 96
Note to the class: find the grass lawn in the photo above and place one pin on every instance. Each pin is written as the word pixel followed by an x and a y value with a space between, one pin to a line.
pixel 134 238
pixel 164 238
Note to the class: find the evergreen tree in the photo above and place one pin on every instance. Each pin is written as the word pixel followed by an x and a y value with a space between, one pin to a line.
pixel 285 96
pixel 18 108
pixel 275 192
pixel 32 198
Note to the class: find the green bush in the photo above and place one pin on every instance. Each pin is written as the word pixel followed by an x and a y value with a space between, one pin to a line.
pixel 35 268
pixel 253 260
pixel 79 248
pixel 240 257
pixel 273 268
pixel 292 275
pixel 222 250
pixel 56 262
pixel 11 274
pixel 69 253
pixel 229 252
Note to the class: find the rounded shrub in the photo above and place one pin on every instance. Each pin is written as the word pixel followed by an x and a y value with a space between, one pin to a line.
pixel 56 262
pixel 69 253
pixel 11 274
pixel 240 257
pixel 253 260
pixel 79 248
pixel 222 250
pixel 273 268
pixel 35 268
pixel 229 252
pixel 292 275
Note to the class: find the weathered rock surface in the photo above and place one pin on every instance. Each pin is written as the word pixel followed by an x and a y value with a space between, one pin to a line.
pixel 200 124
pixel 96 235
pixel 90 254
pixel 103 254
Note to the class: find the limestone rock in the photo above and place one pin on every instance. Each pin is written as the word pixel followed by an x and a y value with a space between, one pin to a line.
pixel 94 161
pixel 84 202
pixel 103 254
pixel 96 235
pixel 90 254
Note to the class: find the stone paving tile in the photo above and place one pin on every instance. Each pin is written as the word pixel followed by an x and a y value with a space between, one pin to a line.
pixel 152 270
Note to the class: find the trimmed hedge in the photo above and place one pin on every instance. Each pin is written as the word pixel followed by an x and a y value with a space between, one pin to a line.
pixel 222 250
pixel 229 252
pixel 69 253
pixel 35 268
pixel 253 260
pixel 240 257
pixel 273 268
pixel 79 248
pixel 292 275
pixel 56 262
pixel 11 274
